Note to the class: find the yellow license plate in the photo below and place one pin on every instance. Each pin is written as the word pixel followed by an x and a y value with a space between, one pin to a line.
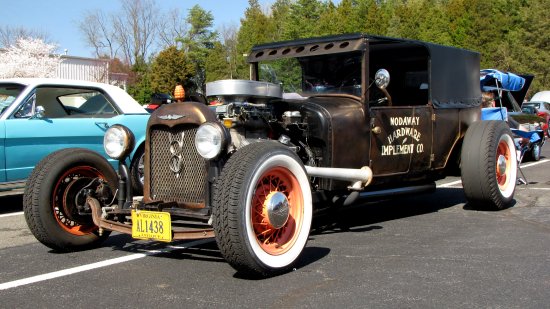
pixel 154 225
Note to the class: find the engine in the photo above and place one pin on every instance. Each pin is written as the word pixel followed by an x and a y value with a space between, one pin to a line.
pixel 253 111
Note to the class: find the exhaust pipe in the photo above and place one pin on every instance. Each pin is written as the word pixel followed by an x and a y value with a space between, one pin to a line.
pixel 360 178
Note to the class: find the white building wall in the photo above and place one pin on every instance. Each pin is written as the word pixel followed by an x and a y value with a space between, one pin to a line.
pixel 88 69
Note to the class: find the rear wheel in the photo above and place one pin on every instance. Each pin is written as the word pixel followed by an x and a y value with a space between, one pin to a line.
pixel 489 165
pixel 262 209
pixel 534 154
pixel 54 201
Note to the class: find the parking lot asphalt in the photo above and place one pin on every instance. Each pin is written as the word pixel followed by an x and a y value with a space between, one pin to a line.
pixel 426 251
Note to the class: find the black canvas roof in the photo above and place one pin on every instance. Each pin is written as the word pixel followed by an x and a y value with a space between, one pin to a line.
pixel 453 73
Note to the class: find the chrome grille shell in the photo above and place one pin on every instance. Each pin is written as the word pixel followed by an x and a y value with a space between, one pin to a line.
pixel 188 186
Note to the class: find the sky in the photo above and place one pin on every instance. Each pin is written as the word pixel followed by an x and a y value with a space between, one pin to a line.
pixel 59 18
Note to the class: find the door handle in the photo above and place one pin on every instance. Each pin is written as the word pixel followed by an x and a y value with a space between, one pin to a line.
pixel 102 125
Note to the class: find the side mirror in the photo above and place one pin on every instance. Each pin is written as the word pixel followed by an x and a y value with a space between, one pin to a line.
pixel 39 112
pixel 382 78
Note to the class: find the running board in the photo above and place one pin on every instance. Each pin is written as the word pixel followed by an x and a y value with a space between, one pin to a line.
pixel 355 196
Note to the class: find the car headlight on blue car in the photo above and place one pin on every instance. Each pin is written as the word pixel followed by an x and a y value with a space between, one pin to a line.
pixel 118 142
pixel 211 138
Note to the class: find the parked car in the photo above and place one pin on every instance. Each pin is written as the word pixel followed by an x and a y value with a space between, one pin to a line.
pixel 529 110
pixel 542 110
pixel 157 99
pixel 41 116
pixel 543 96
pixel 541 106
pixel 252 170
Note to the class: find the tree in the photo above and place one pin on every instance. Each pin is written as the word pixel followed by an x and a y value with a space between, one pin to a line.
pixel 530 43
pixel 141 89
pixel 132 31
pixel 99 34
pixel 29 58
pixel 231 54
pixel 303 19
pixel 280 12
pixel 255 29
pixel 136 29
pixel 10 35
pixel 198 42
pixel 218 64
pixel 170 67
pixel 172 28
pixel 338 19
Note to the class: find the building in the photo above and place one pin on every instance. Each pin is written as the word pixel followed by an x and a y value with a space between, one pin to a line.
pixel 89 69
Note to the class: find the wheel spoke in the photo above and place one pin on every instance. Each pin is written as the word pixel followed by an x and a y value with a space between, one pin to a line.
pixel 63 200
pixel 276 240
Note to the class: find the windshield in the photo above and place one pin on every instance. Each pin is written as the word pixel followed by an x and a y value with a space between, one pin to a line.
pixel 535 105
pixel 324 74
pixel 8 94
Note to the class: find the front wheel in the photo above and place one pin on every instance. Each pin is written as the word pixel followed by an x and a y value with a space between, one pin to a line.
pixel 262 209
pixel 137 171
pixel 489 165
pixel 54 201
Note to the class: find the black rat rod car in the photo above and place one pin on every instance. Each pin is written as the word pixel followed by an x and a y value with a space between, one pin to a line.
pixel 319 123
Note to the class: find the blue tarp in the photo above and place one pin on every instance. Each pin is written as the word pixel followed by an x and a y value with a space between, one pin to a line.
pixel 506 81
pixel 533 136
pixel 494 113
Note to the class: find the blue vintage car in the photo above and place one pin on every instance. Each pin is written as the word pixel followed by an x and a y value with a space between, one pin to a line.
pixel 40 116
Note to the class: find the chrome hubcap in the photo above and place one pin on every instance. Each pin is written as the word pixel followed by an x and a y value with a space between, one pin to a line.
pixel 277 209
pixel 501 165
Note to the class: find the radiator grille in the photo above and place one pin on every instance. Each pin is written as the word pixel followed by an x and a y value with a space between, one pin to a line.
pixel 178 173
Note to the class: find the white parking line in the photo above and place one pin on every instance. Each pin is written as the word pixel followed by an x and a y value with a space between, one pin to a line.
pixel 450 184
pixel 11 214
pixel 78 269
pixel 535 163
pixel 458 182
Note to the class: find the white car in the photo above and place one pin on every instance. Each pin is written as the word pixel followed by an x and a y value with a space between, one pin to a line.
pixel 541 96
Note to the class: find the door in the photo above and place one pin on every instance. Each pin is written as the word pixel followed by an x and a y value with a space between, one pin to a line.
pixel 401 139
pixel 2 152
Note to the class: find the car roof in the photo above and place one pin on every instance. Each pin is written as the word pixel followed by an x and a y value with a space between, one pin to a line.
pixel 453 72
pixel 124 101
pixel 543 96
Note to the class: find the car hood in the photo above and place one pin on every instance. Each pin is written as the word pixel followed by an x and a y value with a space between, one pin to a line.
pixel 520 95
pixel 514 86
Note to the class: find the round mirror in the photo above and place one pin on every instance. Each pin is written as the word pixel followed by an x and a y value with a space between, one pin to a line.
pixel 382 78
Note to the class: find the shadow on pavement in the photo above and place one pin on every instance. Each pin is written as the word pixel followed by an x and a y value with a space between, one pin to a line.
pixel 11 203
pixel 363 217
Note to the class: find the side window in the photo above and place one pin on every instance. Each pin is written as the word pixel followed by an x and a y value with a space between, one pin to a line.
pixel 85 103
pixel 97 104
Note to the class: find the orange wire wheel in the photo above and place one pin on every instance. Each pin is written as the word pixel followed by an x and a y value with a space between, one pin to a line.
pixel 277 210
pixel 262 209
pixel 54 201
pixel 488 165
pixel 68 199
pixel 503 160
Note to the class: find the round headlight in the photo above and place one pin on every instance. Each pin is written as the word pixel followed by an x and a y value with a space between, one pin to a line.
pixel 210 140
pixel 118 142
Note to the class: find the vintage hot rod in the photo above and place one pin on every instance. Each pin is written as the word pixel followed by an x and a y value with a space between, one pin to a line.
pixel 318 123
